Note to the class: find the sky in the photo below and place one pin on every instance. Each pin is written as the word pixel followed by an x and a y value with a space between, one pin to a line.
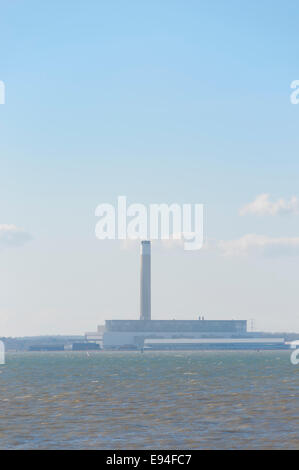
pixel 163 102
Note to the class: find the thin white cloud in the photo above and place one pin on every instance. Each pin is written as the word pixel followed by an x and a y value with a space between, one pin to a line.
pixel 10 235
pixel 263 206
pixel 260 244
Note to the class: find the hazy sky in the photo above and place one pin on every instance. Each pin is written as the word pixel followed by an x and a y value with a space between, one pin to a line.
pixel 161 101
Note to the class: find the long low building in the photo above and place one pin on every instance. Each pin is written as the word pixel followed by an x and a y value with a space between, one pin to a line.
pixel 181 334
pixel 253 343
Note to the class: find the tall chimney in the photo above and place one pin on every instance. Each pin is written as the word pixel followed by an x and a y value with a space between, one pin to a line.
pixel 145 281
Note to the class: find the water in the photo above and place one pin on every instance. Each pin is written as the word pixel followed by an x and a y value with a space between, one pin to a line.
pixel 167 400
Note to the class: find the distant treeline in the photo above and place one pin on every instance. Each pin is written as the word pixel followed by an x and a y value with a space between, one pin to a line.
pixel 26 342
pixel 29 342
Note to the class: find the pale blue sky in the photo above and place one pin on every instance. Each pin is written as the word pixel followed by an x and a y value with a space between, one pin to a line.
pixel 162 101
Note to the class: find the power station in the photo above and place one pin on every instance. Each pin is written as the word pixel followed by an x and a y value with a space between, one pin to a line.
pixel 146 333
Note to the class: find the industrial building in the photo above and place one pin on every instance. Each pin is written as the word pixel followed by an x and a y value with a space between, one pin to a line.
pixel 146 333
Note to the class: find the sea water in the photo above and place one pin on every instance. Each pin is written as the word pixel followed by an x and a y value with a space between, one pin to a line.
pixel 155 400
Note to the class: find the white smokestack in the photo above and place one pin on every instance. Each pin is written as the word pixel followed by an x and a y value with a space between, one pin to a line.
pixel 145 281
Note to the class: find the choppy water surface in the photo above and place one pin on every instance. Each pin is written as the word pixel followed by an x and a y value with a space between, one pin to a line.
pixel 178 400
